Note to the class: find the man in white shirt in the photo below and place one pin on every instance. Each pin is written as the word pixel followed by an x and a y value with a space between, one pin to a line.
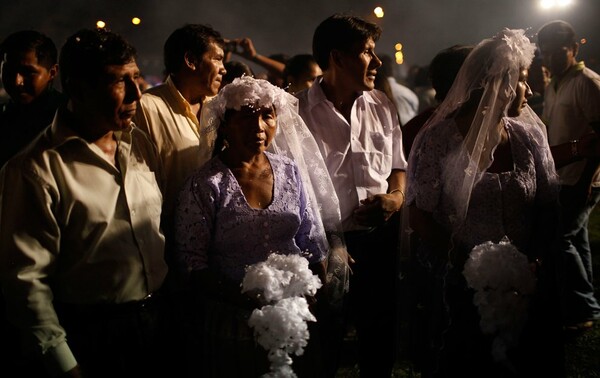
pixel 571 108
pixel 170 113
pixel 81 251
pixel 358 134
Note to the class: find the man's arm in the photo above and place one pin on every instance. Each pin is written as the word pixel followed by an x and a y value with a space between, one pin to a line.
pixel 377 209
pixel 249 52
pixel 29 244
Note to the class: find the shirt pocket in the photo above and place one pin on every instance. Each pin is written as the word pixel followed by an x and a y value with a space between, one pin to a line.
pixel 379 153
pixel 147 193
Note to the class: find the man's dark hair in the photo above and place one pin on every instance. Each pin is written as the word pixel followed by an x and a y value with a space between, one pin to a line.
pixel 191 38
pixel 298 65
pixel 445 66
pixel 559 31
pixel 341 32
pixel 25 40
pixel 87 52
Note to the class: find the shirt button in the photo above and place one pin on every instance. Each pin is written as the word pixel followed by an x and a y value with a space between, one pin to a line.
pixel 266 224
pixel 265 244
pixel 133 212
pixel 267 236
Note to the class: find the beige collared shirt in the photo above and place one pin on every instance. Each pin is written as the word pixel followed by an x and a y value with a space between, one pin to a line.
pixel 569 107
pixel 183 145
pixel 75 229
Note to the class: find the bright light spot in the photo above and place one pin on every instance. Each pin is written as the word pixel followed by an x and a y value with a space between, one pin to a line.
pixel 548 4
pixel 583 41
pixel 378 12
pixel 100 24
pixel 136 21
pixel 399 57
pixel 564 3
pixel 398 46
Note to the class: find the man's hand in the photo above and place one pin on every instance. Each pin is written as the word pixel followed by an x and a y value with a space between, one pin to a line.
pixel 377 209
pixel 589 146
pixel 73 373
pixel 248 50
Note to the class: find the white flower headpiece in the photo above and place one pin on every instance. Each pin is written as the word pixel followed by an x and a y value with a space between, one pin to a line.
pixel 248 91
pixel 517 50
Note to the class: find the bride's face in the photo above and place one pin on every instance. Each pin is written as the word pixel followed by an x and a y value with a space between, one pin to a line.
pixel 522 92
pixel 251 129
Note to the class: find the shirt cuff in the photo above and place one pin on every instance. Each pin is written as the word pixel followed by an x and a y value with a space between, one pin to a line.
pixel 59 359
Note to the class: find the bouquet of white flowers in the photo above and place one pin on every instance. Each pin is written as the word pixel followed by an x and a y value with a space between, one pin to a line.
pixel 281 326
pixel 503 284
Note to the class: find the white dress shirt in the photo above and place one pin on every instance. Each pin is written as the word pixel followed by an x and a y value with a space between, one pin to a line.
pixel 359 155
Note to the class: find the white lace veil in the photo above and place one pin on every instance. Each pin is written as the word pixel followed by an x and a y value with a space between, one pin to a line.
pixel 487 79
pixel 294 140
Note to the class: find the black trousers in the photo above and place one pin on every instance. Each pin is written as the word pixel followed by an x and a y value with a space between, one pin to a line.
pixel 372 297
pixel 118 340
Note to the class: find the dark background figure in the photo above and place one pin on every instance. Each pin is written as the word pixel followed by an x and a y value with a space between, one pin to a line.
pixel 571 107
pixel 405 100
pixel 29 66
pixel 539 78
pixel 442 71
pixel 234 70
pixel 300 72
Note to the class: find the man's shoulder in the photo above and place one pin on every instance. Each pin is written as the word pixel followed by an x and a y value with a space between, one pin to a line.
pixel 33 158
pixel 380 100
pixel 157 94
pixel 591 76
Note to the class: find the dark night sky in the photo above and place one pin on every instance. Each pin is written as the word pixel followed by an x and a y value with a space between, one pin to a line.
pixel 423 26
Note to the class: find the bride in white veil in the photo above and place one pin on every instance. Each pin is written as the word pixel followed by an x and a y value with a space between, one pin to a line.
pixel 481 173
pixel 294 140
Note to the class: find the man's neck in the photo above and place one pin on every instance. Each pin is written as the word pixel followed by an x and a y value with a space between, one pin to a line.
pixel 340 95
pixel 187 90
pixel 561 75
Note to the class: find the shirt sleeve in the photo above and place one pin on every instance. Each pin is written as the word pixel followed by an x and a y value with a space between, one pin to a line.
pixel 310 238
pixel 29 245
pixel 398 157
pixel 588 98
pixel 194 224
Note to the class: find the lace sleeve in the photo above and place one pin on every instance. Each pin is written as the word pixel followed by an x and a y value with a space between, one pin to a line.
pixel 425 168
pixel 310 237
pixel 194 224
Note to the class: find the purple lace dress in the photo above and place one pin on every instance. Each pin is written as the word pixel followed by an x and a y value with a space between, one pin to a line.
pixel 215 226
pixel 501 204
pixel 520 204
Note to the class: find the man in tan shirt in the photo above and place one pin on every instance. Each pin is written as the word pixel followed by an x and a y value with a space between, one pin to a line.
pixel 81 251
pixel 170 113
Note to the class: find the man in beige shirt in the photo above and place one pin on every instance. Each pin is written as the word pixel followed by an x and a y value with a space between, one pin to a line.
pixel 81 251
pixel 170 113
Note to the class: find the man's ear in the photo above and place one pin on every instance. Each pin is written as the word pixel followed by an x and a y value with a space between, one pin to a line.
pixel 336 58
pixel 53 71
pixel 575 49
pixel 190 61
pixel 74 87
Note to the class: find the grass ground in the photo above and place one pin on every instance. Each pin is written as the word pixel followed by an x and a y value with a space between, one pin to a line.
pixel 582 351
